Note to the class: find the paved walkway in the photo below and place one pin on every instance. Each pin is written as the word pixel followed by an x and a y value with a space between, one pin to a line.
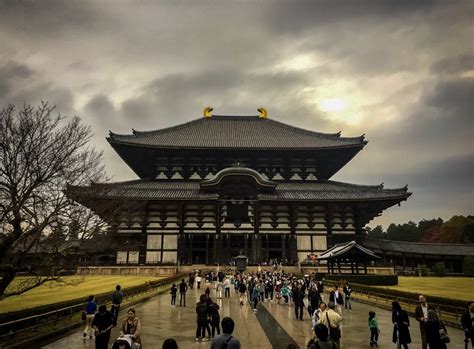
pixel 161 321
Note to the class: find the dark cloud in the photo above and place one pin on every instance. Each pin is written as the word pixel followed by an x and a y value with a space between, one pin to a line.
pixel 454 65
pixel 10 74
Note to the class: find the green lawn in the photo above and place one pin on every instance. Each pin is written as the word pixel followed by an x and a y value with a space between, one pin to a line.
pixel 450 287
pixel 76 287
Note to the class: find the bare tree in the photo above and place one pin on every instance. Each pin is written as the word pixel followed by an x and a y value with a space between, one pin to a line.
pixel 40 154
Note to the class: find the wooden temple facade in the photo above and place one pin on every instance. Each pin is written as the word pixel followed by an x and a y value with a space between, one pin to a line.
pixel 220 186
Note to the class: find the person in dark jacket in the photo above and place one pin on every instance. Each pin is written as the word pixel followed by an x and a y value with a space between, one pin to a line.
pixel 322 340
pixel 173 292
pixel 182 293
pixel 298 297
pixel 202 318
pixel 242 290
pixel 401 324
pixel 214 316
pixel 467 324
pixel 336 297
pixel 432 327
pixel 102 324
pixel 421 315
pixel 314 299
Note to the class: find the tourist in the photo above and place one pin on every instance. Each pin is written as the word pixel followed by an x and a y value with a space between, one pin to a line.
pixel 182 293
pixel 169 343
pixel 191 280
pixel 298 300
pixel 421 315
pixel 321 341
pixel 226 340
pixel 131 328
pixel 202 318
pixel 336 297
pixel 214 317
pixel 242 290
pixel 198 280
pixel 207 292
pixel 467 324
pixel 347 292
pixel 91 308
pixel 374 329
pixel 173 292
pixel 236 285
pixel 314 299
pixel 117 298
pixel 219 286
pixel 278 291
pixel 433 330
pixel 332 320
pixel 255 296
pixel 318 313
pixel 227 287
pixel 102 324
pixel 285 292
pixel 401 323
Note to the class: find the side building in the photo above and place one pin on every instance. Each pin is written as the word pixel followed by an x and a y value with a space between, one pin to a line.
pixel 219 186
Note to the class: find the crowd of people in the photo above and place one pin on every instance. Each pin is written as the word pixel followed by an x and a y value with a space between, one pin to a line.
pixel 305 294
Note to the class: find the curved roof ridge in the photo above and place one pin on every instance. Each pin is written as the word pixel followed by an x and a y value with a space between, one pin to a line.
pixel 302 130
pixel 379 187
pixel 168 129
pixel 420 243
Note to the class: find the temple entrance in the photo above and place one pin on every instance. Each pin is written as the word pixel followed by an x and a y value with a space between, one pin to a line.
pixel 199 257
pixel 273 247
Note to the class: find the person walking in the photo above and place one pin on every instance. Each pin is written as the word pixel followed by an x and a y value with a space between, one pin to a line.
pixel 226 340
pixel 285 292
pixel 202 318
pixel 198 281
pixel 421 315
pixel 255 296
pixel 102 324
pixel 173 292
pixel 298 300
pixel 321 341
pixel 374 329
pixel 433 329
pixel 332 320
pixel 467 324
pixel 227 287
pixel 90 310
pixel 347 292
pixel 336 297
pixel 117 298
pixel 318 313
pixel 401 323
pixel 183 288
pixel 242 290
pixel 214 317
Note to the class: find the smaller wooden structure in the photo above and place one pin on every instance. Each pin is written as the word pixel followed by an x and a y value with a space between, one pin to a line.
pixel 347 253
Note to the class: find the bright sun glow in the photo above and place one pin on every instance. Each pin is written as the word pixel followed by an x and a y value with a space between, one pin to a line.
pixel 332 105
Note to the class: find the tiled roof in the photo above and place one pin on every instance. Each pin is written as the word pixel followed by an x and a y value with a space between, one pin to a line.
pixel 247 132
pixel 419 247
pixel 344 248
pixel 291 191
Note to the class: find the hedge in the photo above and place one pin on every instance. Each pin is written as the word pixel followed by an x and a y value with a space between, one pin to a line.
pixel 375 280
pixel 100 299
pixel 442 301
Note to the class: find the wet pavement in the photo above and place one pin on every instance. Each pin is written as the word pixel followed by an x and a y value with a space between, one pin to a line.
pixel 160 321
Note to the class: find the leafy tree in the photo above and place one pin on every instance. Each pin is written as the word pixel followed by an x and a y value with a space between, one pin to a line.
pixel 454 230
pixel 403 232
pixel 40 153
pixel 377 233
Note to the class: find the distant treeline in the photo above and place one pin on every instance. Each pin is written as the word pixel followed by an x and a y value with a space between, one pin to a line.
pixel 458 229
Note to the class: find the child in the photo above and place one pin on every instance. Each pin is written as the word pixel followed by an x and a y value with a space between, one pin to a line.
pixel 374 330
pixel 173 292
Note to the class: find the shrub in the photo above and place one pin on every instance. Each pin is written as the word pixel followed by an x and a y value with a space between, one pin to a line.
pixel 375 280
pixel 468 266
pixel 439 269
pixel 424 270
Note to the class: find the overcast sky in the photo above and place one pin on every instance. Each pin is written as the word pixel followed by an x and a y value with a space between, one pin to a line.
pixel 402 72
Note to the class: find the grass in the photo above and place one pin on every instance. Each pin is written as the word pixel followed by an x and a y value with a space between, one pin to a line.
pixel 449 287
pixel 74 287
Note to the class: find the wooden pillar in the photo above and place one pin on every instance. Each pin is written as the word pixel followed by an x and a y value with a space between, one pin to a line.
pixel 246 244
pixel 365 267
pixel 357 267
pixel 218 238
pixel 207 249
pixel 256 241
pixel 283 246
pixel 403 261
pixel 339 266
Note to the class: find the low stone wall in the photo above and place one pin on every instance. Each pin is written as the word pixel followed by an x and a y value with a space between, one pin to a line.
pixel 129 270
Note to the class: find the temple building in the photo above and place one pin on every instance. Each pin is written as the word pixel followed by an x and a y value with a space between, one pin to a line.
pixel 219 186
